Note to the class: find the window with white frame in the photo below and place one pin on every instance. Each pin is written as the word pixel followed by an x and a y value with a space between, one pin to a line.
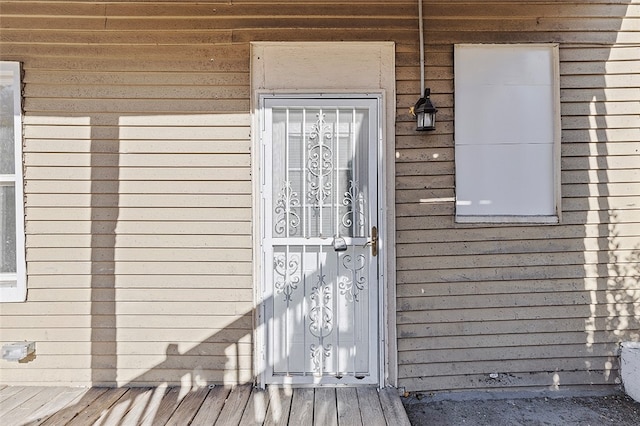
pixel 507 133
pixel 12 252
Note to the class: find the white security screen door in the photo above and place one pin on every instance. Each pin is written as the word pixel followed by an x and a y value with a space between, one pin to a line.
pixel 320 240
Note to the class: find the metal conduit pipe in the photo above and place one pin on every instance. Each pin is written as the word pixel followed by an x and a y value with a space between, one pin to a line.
pixel 421 30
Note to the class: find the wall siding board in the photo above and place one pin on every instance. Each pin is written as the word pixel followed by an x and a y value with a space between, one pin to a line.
pixel 511 273
pixel 593 380
pixel 490 354
pixel 506 367
pixel 146 174
pixel 504 341
pixel 140 281
pixel 135 187
pixel 138 193
pixel 568 245
pixel 512 322
pixel 211 227
pixel 543 300
pixel 490 288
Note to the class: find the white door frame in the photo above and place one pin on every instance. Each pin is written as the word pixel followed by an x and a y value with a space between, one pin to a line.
pixel 332 68
pixel 262 183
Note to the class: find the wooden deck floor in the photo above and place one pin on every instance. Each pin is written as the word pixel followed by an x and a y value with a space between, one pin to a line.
pixel 242 405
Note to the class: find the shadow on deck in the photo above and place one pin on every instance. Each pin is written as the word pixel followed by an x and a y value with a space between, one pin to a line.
pixel 219 405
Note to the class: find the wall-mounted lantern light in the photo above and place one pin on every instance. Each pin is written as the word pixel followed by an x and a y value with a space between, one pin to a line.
pixel 425 113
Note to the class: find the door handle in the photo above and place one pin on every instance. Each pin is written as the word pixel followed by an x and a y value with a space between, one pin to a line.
pixel 374 241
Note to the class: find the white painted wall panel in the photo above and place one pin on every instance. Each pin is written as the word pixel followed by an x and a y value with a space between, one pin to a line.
pixel 504 64
pixel 506 130
pixel 503 114
pixel 526 165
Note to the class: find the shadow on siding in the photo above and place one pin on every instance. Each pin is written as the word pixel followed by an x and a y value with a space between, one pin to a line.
pixel 105 202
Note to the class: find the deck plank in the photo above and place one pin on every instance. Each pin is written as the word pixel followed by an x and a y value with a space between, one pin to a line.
pixel 64 401
pixel 165 409
pixel 370 407
pixel 211 407
pixel 188 408
pixel 64 396
pixel 152 406
pixel 19 398
pixel 140 400
pixel 394 412
pixel 243 406
pixel 21 412
pixel 101 405
pixel 9 391
pixel 256 410
pixel 76 406
pixel 234 406
pixel 279 406
pixel 348 411
pixel 325 412
pixel 118 411
pixel 302 407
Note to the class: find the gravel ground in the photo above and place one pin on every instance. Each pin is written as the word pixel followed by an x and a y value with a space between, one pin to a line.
pixel 617 409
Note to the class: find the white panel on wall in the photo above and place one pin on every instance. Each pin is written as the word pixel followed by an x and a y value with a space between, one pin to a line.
pixel 506 132
pixel 504 115
pixel 504 64
pixel 529 185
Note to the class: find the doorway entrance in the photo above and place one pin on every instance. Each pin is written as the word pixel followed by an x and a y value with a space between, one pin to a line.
pixel 320 240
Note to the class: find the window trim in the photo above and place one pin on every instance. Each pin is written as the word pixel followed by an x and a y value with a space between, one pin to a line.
pixel 17 292
pixel 556 160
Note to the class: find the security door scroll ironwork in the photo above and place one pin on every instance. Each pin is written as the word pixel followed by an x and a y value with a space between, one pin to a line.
pixel 321 278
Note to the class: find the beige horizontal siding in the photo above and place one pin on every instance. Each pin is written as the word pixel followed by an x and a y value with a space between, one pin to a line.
pixel 526 303
pixel 141 254
pixel 140 281
pixel 138 202
pixel 138 186
pixel 97 174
